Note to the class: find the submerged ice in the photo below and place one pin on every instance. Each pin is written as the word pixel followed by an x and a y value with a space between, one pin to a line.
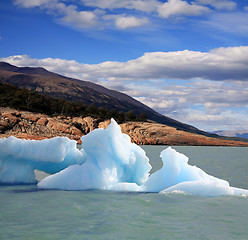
pixel 107 160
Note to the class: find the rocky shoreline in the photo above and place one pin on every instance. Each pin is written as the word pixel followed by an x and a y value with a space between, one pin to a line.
pixel 28 125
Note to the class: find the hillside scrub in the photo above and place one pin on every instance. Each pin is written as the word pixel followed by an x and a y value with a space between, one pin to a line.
pixel 23 99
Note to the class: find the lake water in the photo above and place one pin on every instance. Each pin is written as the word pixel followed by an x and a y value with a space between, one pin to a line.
pixel 29 213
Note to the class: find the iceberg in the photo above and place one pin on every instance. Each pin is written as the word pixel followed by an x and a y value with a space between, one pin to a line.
pixel 19 158
pixel 108 160
pixel 112 162
pixel 177 175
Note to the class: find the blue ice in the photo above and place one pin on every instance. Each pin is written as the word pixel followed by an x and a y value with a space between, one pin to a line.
pixel 108 160
pixel 19 158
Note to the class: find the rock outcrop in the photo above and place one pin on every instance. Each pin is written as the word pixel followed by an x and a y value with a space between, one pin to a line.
pixel 27 125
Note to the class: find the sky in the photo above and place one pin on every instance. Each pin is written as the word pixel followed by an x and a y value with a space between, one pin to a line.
pixel 185 59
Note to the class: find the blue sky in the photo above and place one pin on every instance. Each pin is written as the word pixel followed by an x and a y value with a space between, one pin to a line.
pixel 186 59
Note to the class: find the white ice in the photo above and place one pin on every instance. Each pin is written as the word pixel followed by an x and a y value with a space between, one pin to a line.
pixel 112 163
pixel 108 161
pixel 177 175
pixel 19 158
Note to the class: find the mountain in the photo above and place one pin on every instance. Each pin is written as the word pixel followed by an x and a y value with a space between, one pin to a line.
pixel 48 83
pixel 233 133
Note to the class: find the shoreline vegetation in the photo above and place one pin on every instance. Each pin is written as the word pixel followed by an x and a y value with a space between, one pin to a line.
pixel 74 97
pixel 27 100
pixel 38 126
pixel 29 115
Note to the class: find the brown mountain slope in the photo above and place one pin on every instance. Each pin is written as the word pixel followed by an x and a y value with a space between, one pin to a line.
pixel 52 84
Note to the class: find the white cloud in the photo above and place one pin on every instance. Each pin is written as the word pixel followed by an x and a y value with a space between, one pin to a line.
pixel 217 64
pixel 82 19
pixel 220 4
pixel 226 120
pixel 61 66
pixel 130 22
pixel 235 22
pixel 181 8
pixel 141 5
pixel 31 3
pixel 68 14
pixel 206 104
pixel 125 14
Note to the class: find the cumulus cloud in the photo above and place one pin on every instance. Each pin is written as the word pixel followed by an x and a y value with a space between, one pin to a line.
pixel 204 104
pixel 181 8
pixel 130 22
pixel 109 14
pixel 70 15
pixel 213 96
pixel 61 66
pixel 82 19
pixel 180 85
pixel 218 64
pixel 226 120
pixel 67 14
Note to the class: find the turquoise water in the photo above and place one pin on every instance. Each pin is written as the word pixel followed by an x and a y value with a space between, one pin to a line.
pixel 29 213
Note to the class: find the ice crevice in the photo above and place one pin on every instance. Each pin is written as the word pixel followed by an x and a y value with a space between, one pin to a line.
pixel 108 160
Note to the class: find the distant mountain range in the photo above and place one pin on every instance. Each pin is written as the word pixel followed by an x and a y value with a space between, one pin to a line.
pixel 238 133
pixel 48 83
